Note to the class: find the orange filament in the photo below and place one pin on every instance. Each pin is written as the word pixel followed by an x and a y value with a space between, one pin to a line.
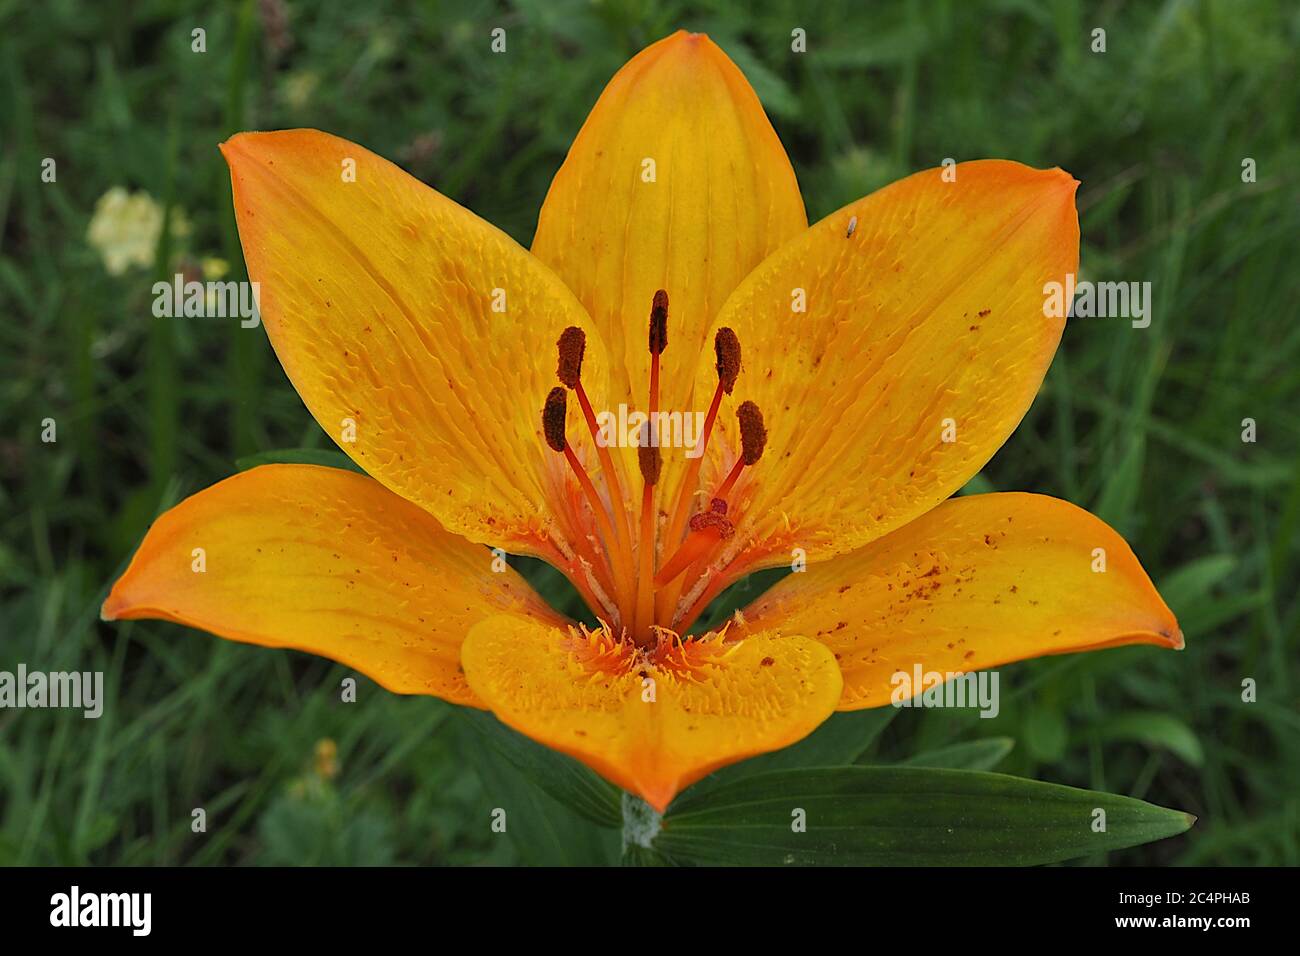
pixel 725 488
pixel 593 496
pixel 588 551
pixel 726 349
pixel 646 601
pixel 572 347
pixel 553 427
pixel 645 595
pixel 649 458
pixel 612 484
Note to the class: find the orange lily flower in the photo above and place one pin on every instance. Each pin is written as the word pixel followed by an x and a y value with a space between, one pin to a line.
pixel 851 376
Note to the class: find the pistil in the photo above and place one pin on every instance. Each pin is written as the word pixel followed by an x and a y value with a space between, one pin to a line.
pixel 712 526
pixel 707 529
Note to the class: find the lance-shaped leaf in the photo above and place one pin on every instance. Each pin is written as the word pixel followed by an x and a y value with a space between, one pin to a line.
pixel 839 742
pixel 905 816
pixel 967 755
pixel 562 777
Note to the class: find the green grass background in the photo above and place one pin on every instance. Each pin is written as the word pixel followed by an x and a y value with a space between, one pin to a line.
pixel 1141 426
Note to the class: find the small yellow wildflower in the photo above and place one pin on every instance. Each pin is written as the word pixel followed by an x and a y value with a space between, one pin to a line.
pixel 125 229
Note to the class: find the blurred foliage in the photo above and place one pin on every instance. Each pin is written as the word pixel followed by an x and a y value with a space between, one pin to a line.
pixel 1141 426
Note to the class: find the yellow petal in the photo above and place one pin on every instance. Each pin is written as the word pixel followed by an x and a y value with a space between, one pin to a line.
pixel 723 196
pixel 923 343
pixel 978 582
pixel 379 296
pixel 651 726
pixel 324 561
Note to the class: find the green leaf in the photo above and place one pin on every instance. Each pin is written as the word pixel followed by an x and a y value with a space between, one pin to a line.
pixel 1155 729
pixel 838 742
pixel 1195 581
pixel 905 816
pixel 562 777
pixel 970 755
pixel 1199 595
pixel 543 831
pixel 299 456
pixel 1119 496
pixel 1045 734
pixel 634 855
pixel 316 827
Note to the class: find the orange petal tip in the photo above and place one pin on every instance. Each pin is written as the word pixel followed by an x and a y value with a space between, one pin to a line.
pixel 231 145
pixel 1074 183
pixel 117 606
pixel 112 608
pixel 252 144
pixel 232 149
pixel 686 36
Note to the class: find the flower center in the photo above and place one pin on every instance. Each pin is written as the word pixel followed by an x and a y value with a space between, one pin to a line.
pixel 657 577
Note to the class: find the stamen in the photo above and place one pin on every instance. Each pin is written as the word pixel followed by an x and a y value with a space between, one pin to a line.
pixel 572 345
pixel 753 439
pixel 650 459
pixel 643 600
pixel 651 462
pixel 553 418
pixel 658 339
pixel 726 345
pixel 753 434
pixel 659 323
